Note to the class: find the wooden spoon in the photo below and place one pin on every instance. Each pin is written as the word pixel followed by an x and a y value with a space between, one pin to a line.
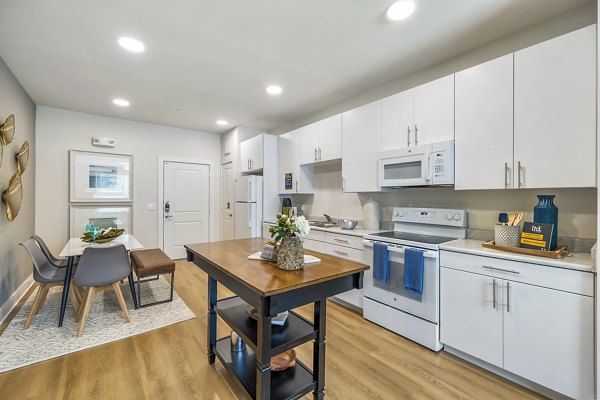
pixel 511 219
pixel 518 219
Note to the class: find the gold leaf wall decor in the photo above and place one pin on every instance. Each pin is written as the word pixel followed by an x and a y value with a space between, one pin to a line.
pixel 1 152
pixel 7 129
pixel 23 158
pixel 13 196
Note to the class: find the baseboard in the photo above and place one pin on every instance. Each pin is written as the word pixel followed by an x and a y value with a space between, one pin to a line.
pixel 14 299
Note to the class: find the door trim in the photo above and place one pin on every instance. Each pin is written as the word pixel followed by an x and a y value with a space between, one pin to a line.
pixel 159 205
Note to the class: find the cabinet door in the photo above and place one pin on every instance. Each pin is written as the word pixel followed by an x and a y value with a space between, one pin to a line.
pixel 256 152
pixel 548 338
pixel 484 126
pixel 308 144
pixel 468 320
pixel 361 141
pixel 288 161
pixel 555 112
pixel 434 111
pixel 397 120
pixel 330 138
pixel 245 155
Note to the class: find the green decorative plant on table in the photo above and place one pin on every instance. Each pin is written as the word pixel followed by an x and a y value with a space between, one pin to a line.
pixel 286 234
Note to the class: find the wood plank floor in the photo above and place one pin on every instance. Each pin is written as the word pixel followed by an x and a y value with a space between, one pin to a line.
pixel 364 361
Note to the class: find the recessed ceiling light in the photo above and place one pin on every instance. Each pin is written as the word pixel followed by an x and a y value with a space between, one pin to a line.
pixel 274 89
pixel 131 44
pixel 179 110
pixel 222 122
pixel 121 102
pixel 401 9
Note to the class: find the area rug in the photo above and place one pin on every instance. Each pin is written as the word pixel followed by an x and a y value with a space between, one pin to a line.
pixel 45 340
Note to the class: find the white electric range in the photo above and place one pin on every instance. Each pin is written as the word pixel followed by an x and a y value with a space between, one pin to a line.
pixel 389 304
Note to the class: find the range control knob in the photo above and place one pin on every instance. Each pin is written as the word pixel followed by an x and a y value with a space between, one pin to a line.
pixel 400 213
pixel 396 213
pixel 457 216
pixel 449 216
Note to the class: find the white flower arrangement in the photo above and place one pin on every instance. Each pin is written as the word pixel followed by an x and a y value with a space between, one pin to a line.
pixel 289 226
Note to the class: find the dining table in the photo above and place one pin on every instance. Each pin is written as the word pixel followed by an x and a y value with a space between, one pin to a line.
pixel 75 247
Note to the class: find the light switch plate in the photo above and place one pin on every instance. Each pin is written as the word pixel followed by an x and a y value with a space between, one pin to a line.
pixel 151 206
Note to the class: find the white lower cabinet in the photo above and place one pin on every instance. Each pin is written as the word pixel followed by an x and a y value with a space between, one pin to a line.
pixel 507 319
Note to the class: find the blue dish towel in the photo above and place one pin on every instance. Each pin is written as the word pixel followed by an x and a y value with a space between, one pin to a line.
pixel 414 267
pixel 381 271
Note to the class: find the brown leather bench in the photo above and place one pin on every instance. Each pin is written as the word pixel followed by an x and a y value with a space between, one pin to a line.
pixel 151 262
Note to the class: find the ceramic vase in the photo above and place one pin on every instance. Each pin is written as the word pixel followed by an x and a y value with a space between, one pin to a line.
pixel 546 212
pixel 290 255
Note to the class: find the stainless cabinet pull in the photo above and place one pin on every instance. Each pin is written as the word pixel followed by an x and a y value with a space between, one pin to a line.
pixel 340 240
pixel 416 135
pixel 248 164
pixel 510 271
pixel 296 186
pixel 343 185
pixel 408 136
pixel 319 154
pixel 506 175
pixel 494 292
pixel 519 168
pixel 341 253
pixel 507 296
pixel 315 154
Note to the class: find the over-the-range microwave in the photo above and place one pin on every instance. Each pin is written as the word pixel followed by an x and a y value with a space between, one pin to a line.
pixel 429 164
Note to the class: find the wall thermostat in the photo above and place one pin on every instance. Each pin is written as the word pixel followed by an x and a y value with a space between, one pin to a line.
pixel 103 142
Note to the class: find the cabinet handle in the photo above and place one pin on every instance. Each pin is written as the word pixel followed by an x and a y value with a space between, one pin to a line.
pixel 494 293
pixel 296 186
pixel 319 154
pixel 341 253
pixel 510 271
pixel 507 296
pixel 343 185
pixel 408 136
pixel 416 135
pixel 315 154
pixel 506 175
pixel 340 240
pixel 520 168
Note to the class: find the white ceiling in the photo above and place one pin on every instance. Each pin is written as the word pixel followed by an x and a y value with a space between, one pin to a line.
pixel 214 58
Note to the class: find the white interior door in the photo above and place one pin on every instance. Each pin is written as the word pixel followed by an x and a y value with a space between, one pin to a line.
pixel 186 216
pixel 227 202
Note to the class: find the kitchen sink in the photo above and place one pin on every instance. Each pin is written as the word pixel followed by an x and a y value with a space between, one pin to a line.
pixel 322 224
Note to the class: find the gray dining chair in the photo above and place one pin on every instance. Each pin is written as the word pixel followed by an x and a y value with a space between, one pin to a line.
pixel 47 275
pixel 99 269
pixel 57 261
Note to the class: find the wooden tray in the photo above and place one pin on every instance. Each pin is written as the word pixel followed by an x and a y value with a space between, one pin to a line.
pixel 560 252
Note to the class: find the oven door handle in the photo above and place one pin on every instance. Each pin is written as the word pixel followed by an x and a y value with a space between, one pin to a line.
pixel 398 249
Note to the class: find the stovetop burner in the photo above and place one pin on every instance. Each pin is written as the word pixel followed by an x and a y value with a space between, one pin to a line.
pixel 413 237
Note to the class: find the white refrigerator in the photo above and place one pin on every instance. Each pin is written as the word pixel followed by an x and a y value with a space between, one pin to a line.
pixel 248 206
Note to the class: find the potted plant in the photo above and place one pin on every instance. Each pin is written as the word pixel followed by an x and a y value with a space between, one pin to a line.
pixel 286 234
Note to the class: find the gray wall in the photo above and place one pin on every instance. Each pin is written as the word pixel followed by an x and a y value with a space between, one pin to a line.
pixel 15 266
pixel 59 131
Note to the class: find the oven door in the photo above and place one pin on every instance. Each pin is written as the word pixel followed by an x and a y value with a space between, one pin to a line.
pixel 409 170
pixel 393 292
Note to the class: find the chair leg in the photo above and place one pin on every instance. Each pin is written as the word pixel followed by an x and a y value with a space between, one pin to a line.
pixel 132 288
pixel 43 294
pixel 36 304
pixel 74 300
pixel 121 300
pixel 85 310
pixel 172 284
pixel 78 293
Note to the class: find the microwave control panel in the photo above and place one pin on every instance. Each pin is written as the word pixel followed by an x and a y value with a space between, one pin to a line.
pixel 442 163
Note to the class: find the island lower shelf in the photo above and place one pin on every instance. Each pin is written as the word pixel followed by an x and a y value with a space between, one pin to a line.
pixel 296 331
pixel 291 383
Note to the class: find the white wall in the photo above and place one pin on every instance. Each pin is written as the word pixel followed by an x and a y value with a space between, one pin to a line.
pixel 58 131
pixel 15 266
pixel 577 207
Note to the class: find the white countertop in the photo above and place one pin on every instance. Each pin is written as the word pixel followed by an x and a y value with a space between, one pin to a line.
pixel 575 261
pixel 360 232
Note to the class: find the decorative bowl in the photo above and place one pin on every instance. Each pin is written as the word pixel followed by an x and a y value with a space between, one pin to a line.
pixel 347 223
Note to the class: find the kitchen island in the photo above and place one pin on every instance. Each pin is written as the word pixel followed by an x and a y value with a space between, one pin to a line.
pixel 270 291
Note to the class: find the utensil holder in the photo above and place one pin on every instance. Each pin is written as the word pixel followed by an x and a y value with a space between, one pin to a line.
pixel 507 235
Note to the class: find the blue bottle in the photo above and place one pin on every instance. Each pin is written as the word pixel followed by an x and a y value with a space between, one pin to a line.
pixel 546 212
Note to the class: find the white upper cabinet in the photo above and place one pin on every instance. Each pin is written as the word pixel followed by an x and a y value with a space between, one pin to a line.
pixel 434 111
pixel 329 133
pixel 397 120
pixel 308 144
pixel 421 115
pixel 361 142
pixel 251 154
pixel 484 126
pixel 321 141
pixel 292 178
pixel 555 112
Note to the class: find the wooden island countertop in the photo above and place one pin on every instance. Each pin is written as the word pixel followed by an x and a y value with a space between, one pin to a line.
pixel 263 277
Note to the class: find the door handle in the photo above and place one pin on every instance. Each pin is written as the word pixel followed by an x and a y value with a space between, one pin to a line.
pixel 494 293
pixel 168 216
pixel 507 296
pixel 408 136
pixel 416 135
